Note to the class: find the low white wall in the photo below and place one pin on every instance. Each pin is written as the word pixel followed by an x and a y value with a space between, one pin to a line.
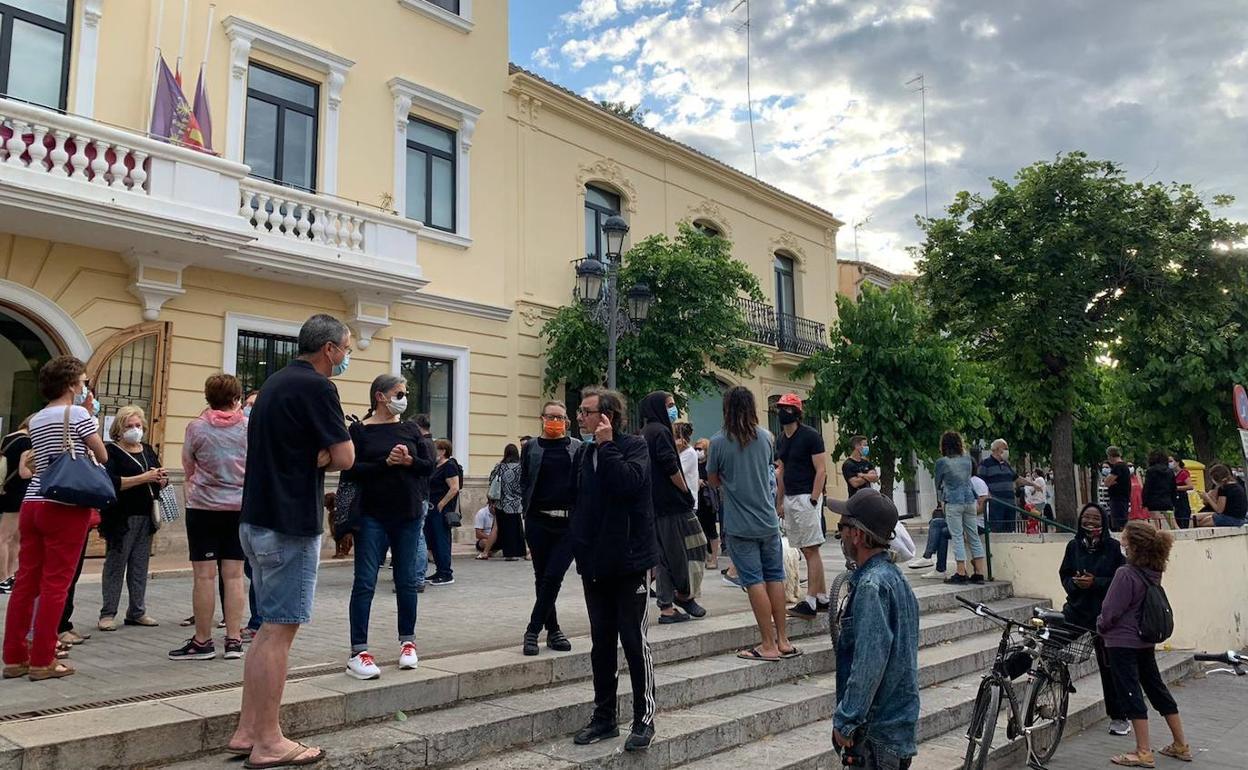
pixel 1206 581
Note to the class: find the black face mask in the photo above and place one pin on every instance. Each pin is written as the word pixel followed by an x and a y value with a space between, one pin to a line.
pixel 788 416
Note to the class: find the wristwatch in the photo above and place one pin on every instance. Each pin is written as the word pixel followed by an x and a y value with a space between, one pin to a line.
pixel 814 501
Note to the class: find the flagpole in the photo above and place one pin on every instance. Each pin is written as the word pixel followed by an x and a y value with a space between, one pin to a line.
pixel 186 9
pixel 212 11
pixel 151 99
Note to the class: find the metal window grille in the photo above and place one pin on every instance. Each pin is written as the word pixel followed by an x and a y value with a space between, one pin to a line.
pixel 260 355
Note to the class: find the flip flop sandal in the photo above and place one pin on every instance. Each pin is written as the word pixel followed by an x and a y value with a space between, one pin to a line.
pixel 1131 760
pixel 238 755
pixel 793 653
pixel 292 759
pixel 753 654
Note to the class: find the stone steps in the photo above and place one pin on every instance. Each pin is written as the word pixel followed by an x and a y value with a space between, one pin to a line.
pixel 944 714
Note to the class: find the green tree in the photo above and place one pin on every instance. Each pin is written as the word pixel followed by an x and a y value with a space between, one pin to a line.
pixel 633 113
pixel 889 376
pixel 694 327
pixel 1038 275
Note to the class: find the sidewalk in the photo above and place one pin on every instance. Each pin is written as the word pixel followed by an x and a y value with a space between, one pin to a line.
pixel 487 608
pixel 1214 719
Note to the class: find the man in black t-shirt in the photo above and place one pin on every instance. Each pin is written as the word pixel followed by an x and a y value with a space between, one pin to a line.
pixel 799 498
pixel 296 433
pixel 859 472
pixel 1118 488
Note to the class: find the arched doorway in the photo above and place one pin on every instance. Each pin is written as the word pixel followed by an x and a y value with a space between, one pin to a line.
pixel 24 347
pixel 132 368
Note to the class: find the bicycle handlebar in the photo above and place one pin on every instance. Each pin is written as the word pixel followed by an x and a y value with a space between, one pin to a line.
pixel 1230 657
pixel 1050 616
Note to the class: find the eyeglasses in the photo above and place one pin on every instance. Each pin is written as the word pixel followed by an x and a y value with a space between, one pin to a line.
pixel 400 395
pixel 559 417
pixel 582 411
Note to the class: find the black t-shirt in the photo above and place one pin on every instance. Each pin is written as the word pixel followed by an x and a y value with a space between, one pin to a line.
pixel 296 416
pixel 851 468
pixel 1121 489
pixel 553 490
pixel 15 444
pixel 389 493
pixel 1236 500
pixel 440 484
pixel 795 452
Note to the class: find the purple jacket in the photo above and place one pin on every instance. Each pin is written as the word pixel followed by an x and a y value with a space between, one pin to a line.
pixel 1119 624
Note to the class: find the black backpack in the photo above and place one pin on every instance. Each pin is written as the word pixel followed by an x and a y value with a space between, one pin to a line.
pixel 1156 620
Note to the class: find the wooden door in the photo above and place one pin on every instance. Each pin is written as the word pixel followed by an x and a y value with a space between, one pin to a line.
pixel 132 367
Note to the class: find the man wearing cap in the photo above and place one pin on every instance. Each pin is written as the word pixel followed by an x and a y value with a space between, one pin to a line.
pixel 877 652
pixel 799 498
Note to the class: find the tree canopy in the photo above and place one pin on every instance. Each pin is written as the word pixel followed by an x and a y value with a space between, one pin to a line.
pixel 695 325
pixel 889 376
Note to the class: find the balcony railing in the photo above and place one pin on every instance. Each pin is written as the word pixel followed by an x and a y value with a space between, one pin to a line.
pixel 788 333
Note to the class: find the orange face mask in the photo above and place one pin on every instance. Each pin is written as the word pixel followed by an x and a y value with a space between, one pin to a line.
pixel 554 428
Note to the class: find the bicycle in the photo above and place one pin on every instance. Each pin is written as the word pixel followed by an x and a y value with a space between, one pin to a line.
pixel 1237 662
pixel 1043 650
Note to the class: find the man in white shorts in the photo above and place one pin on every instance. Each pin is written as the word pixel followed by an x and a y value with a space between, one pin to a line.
pixel 799 498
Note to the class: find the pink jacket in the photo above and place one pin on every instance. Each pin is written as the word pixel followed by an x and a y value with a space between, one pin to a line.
pixel 214 457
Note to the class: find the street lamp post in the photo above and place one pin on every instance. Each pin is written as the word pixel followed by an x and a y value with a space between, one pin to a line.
pixel 597 287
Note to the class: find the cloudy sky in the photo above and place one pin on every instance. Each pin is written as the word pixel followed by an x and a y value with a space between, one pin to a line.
pixel 1158 85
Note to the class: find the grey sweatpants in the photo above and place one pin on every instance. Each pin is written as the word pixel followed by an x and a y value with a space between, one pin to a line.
pixel 126 559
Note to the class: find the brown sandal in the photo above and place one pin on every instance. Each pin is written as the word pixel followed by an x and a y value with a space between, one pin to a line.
pixel 54 671
pixel 16 670
pixel 1135 759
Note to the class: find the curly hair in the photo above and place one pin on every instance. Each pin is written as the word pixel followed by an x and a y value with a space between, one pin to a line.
pixel 951 444
pixel 1147 546
pixel 59 375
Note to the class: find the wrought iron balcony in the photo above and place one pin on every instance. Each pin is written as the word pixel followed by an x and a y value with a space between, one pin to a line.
pixel 787 333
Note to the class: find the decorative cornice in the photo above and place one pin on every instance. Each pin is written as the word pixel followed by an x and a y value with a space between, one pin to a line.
pixel 461 22
pixel 461 306
pixel 434 101
pixel 92 12
pixel 710 211
pixel 609 171
pixel 279 44
pixel 791 244
pixel 151 291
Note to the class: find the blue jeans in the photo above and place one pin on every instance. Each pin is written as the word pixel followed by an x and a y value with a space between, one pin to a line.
pixel 758 560
pixel 283 572
pixel 963 531
pixel 1000 516
pixel 422 546
pixel 371 541
pixel 254 621
pixel 438 534
pixel 937 543
pixel 1222 520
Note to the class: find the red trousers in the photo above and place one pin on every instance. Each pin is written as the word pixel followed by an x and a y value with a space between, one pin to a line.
pixel 51 542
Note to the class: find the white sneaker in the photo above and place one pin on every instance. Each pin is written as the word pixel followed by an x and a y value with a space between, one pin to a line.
pixel 362 666
pixel 1119 727
pixel 920 563
pixel 933 575
pixel 408 658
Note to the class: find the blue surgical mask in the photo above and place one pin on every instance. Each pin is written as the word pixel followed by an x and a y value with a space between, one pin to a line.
pixel 247 411
pixel 340 368
pixel 95 407
pixel 866 451
pixel 673 414
pixel 80 397
pixel 587 438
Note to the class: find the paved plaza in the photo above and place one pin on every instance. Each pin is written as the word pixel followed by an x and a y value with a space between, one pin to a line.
pixel 487 608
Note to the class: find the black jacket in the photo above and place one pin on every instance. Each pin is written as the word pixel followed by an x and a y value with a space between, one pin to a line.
pixel 1159 488
pixel 531 465
pixel 613 522
pixel 1083 605
pixel 664 460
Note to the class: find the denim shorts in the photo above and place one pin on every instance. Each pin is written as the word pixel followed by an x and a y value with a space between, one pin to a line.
pixel 283 573
pixel 757 560
pixel 1222 520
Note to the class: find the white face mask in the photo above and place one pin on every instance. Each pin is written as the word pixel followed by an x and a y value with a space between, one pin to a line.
pixel 133 435
pixel 397 406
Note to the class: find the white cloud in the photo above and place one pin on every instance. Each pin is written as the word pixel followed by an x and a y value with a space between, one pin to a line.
pixel 590 13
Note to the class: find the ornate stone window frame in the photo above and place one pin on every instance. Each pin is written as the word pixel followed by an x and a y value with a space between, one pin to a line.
pixel 461 22
pixel 460 116
pixel 247 35
pixel 461 357
pixel 88 45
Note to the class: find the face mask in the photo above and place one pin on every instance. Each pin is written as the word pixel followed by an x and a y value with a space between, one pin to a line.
pixel 340 368
pixel 554 428
pixel 701 454
pixel 788 416
pixel 1005 456
pixel 866 451
pixel 587 438
pixel 397 406
pixel 80 397
pixel 847 551
pixel 1173 465
pixel 133 435
pixel 1104 472
pixel 1131 468
pixel 673 414
pixel 247 411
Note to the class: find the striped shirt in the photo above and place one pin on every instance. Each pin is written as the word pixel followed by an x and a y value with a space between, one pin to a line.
pixel 47 434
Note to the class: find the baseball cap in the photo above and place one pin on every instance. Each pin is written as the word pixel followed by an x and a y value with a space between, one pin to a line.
pixel 869 511
pixel 790 399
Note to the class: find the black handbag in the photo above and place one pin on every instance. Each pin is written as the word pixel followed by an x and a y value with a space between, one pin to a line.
pixel 73 479
pixel 347 507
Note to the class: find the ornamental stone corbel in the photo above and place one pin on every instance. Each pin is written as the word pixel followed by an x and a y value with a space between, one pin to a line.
pixel 154 281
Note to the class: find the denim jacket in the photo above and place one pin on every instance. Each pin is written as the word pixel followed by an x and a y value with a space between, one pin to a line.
pixel 877 658
pixel 953 479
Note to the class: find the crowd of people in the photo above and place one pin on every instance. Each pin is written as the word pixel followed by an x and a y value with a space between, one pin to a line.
pixel 642 516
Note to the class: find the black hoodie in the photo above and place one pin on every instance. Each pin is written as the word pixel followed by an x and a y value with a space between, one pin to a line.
pixel 664 459
pixel 1103 559
pixel 612 522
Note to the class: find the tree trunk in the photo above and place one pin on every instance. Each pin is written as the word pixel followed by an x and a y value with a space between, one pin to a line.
pixel 888 472
pixel 1202 437
pixel 1062 451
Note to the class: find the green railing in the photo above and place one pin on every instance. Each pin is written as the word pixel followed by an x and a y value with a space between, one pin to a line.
pixel 1020 515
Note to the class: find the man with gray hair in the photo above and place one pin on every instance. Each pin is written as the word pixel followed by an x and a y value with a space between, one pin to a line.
pixel 296 433
pixel 1003 482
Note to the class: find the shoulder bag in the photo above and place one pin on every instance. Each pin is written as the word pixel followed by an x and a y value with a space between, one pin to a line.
pixel 71 479
pixel 347 499
pixel 164 503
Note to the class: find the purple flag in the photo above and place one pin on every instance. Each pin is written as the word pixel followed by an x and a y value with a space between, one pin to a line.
pixel 172 117
pixel 202 114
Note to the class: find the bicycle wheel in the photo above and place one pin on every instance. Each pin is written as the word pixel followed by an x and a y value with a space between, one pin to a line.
pixel 1048 697
pixel 983 723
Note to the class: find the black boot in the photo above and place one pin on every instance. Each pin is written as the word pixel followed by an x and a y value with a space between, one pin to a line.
pixel 530 643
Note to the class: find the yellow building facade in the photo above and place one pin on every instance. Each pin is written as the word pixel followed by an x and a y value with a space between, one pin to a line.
pixel 384 164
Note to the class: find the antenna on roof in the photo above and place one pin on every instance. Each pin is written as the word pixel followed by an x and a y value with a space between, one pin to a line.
pixel 749 97
pixel 922 89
